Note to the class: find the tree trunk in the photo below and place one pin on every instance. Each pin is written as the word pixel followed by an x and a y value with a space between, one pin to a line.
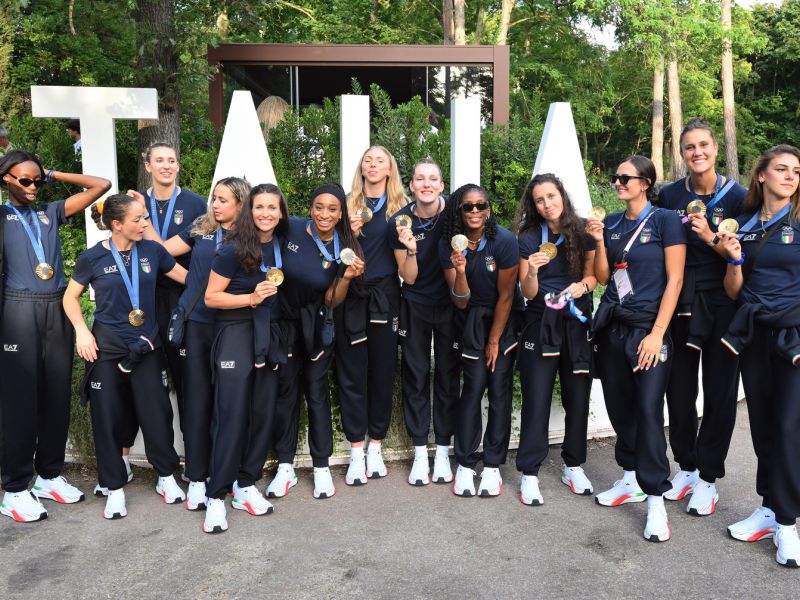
pixel 373 14
pixel 72 16
pixel 447 22
pixel 459 23
pixel 157 68
pixel 657 149
pixel 675 117
pixel 505 21
pixel 728 105
pixel 479 25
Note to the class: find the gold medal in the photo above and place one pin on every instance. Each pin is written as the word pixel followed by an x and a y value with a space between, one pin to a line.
pixel 459 243
pixel 136 318
pixel 275 276
pixel 696 207
pixel 347 256
pixel 597 212
pixel 549 250
pixel 403 221
pixel 365 214
pixel 44 271
pixel 729 225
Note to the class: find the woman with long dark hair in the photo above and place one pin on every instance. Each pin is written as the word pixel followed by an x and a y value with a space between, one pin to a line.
pixel 316 281
pixel 703 315
pixel 483 285
pixel 640 256
pixel 247 353
pixel 556 275
pixel 122 349
pixel 367 321
pixel 762 275
pixel 37 339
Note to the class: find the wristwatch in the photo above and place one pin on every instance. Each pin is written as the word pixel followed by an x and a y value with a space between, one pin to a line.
pixel 714 241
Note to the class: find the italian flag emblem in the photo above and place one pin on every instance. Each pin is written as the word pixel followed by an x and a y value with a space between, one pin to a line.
pixel 787 236
pixel 326 264
pixel 490 266
pixel 145 266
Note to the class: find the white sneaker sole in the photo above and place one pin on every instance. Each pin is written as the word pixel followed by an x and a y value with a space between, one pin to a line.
pixel 22 518
pixel 56 497
pixel 195 507
pixel 786 562
pixel 117 515
pixel 752 536
pixel 653 537
pixel 443 479
pixel 246 506
pixel 325 495
pixel 569 483
pixel 530 501
pixel 463 493
pixel 679 495
pixel 378 474
pixel 216 528
pixel 419 482
pixel 703 511
pixel 170 499
pixel 289 485
pixel 485 493
pixel 620 500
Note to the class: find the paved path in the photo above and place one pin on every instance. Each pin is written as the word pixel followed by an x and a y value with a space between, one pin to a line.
pixel 391 540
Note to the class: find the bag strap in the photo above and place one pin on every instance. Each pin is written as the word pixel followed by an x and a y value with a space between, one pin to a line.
pixel 200 290
pixel 747 268
pixel 630 237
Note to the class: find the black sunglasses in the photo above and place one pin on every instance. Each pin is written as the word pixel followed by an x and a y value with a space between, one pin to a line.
pixel 624 179
pixel 25 182
pixel 480 206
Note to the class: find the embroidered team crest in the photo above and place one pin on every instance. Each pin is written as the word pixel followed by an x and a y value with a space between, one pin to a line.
pixel 490 264
pixel 177 217
pixel 787 235
pixel 718 214
pixel 326 264
pixel 145 264
pixel 645 236
pixel 43 218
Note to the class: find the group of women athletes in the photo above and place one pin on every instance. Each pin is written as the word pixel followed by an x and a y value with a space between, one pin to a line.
pixel 704 271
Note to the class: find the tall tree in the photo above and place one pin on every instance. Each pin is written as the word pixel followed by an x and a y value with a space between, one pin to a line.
pixel 459 23
pixel 657 142
pixel 505 21
pixel 728 106
pixel 447 22
pixel 675 117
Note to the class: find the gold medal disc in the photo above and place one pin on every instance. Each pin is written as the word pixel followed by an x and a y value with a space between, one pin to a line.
pixel 548 249
pixel 347 256
pixel 459 243
pixel 136 318
pixel 729 225
pixel 403 221
pixel 365 214
pixel 44 271
pixel 696 207
pixel 275 276
pixel 597 212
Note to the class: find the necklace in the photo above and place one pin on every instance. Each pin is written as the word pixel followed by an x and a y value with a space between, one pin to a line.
pixel 126 256
pixel 428 223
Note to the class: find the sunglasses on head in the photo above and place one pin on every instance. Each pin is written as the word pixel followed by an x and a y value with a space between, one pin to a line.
pixel 479 206
pixel 624 179
pixel 25 182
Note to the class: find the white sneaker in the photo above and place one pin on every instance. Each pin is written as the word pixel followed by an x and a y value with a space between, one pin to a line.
pixel 128 469
pixel 758 526
pixel 577 481
pixel 357 471
pixel 682 484
pixel 284 480
pixel 215 521
pixel 442 473
pixel 529 493
pixel 420 469
pixel 787 546
pixel 657 527
pixel 375 467
pixel 56 489
pixel 623 492
pixel 491 482
pixel 196 496
pixel 115 505
pixel 704 499
pixel 169 489
pixel 251 500
pixel 323 483
pixel 464 484
pixel 23 507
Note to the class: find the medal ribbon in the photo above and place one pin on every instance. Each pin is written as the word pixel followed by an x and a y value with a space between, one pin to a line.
pixel 379 205
pixel 320 244
pixel 131 286
pixel 162 230
pixel 719 191
pixel 642 215
pixel 36 242
pixel 546 236
pixel 754 219
pixel 219 238
pixel 557 302
pixel 276 252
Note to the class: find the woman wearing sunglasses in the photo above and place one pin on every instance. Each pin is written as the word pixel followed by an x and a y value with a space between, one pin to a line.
pixel 483 286
pixel 556 275
pixel 37 338
pixel 640 257
pixel 367 321
pixel 703 315
pixel 426 315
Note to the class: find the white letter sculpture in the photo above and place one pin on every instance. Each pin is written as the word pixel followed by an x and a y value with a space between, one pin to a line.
pixel 353 136
pixel 465 142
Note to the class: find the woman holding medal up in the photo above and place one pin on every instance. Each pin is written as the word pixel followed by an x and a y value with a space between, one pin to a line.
pixel 367 321
pixel 247 353
pixel 640 257
pixel 480 262
pixel 556 275
pixel 762 275
pixel 37 339
pixel 426 315
pixel 314 252
pixel 703 315
pixel 122 348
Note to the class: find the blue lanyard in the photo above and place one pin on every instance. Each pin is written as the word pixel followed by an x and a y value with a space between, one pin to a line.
pixel 642 215
pixel 379 205
pixel 131 286
pixel 219 238
pixel 36 242
pixel 546 236
pixel 322 249
pixel 276 251
pixel 162 230
pixel 719 191
pixel 754 219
